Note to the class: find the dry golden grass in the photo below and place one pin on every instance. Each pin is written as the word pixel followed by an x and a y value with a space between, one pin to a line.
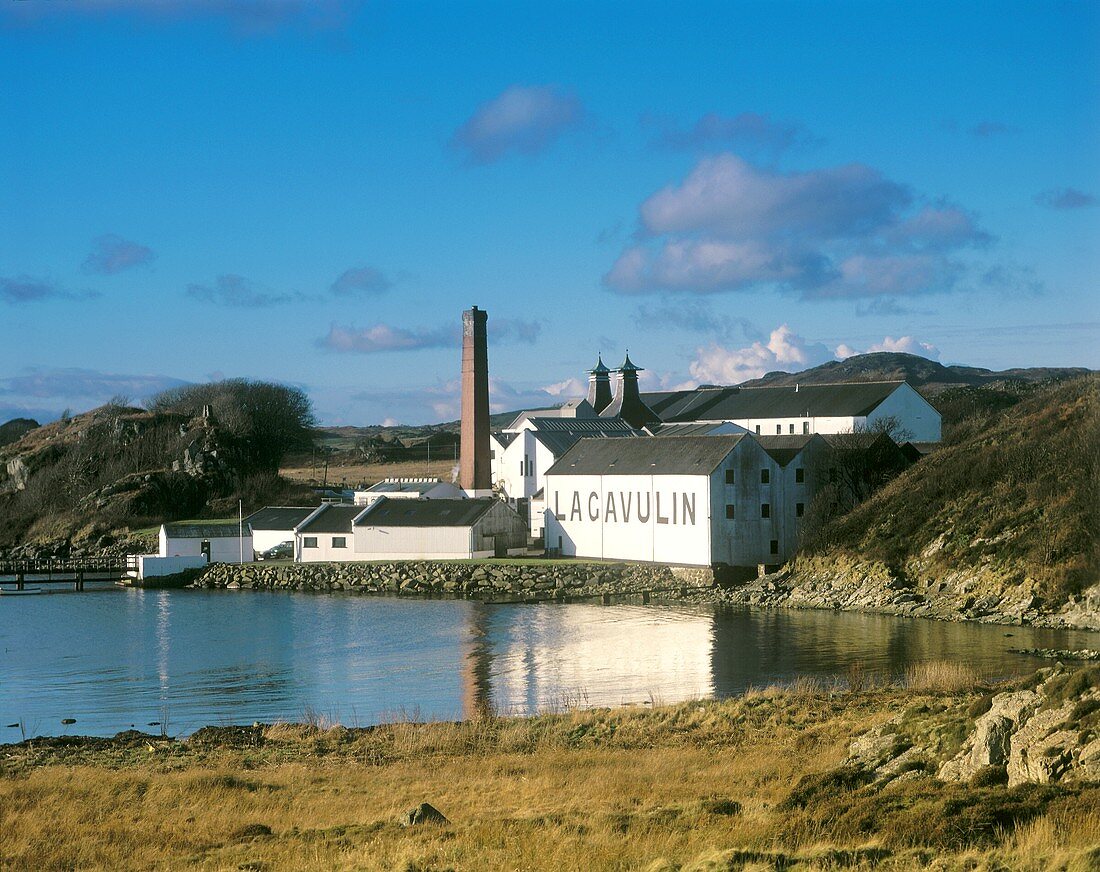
pixel 942 676
pixel 370 473
pixel 693 786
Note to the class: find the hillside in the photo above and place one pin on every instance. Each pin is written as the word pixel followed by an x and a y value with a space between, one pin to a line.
pixel 16 429
pixel 1000 523
pixel 929 375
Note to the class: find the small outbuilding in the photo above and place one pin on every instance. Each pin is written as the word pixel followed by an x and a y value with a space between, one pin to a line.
pixel 274 525
pixel 439 529
pixel 219 543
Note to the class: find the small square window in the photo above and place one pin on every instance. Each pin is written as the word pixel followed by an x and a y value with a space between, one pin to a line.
pixel 729 476
pixel 765 476
pixel 775 546
pixel 800 509
pixel 799 475
pixel 729 511
pixel 309 542
pixel 765 510
pixel 339 541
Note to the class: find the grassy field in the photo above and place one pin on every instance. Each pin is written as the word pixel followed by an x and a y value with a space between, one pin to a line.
pixel 370 473
pixel 749 783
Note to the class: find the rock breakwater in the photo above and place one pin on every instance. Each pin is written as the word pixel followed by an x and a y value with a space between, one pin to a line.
pixel 504 580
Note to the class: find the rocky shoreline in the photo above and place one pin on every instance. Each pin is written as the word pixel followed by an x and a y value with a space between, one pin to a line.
pixel 519 581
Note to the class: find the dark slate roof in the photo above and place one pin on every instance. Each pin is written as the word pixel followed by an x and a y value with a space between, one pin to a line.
pixel 334 519
pixel 504 438
pixel 787 401
pixel 784 449
pixel 404 487
pixel 279 517
pixel 204 531
pixel 426 513
pixel 561 434
pixel 657 455
pixel 689 428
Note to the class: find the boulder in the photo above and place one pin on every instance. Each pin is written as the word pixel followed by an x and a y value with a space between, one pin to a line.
pixel 425 813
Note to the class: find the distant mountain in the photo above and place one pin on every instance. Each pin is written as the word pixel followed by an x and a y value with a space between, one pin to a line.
pixel 16 429
pixel 929 375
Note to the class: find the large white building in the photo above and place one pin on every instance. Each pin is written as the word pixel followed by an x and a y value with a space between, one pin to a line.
pixel 806 409
pixel 694 500
pixel 409 489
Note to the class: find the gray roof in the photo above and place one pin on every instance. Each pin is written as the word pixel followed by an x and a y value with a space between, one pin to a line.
pixel 426 513
pixel 787 401
pixel 279 517
pixel 689 428
pixel 334 519
pixel 784 449
pixel 204 531
pixel 404 487
pixel 561 434
pixel 504 438
pixel 657 455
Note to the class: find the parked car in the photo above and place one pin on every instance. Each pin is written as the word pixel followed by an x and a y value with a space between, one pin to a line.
pixel 282 551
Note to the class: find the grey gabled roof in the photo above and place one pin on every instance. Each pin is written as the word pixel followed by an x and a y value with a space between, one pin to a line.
pixel 405 487
pixel 784 449
pixel 205 531
pixel 279 517
pixel 855 399
pixel 561 434
pixel 656 455
pixel 426 513
pixel 333 519
pixel 692 428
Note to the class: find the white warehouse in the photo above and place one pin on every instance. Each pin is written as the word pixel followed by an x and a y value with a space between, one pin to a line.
pixel 693 500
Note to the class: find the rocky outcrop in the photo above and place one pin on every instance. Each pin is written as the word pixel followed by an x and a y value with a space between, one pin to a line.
pixel 1048 734
pixel 495 580
pixel 854 585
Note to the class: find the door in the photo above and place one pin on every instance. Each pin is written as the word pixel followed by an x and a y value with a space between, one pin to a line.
pixel 204 549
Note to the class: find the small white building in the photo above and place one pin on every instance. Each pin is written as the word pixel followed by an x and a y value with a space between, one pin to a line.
pixel 805 409
pixel 694 500
pixel 274 525
pixel 409 489
pixel 439 530
pixel 327 535
pixel 219 543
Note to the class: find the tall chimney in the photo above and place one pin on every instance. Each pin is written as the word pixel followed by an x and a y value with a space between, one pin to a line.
pixel 473 471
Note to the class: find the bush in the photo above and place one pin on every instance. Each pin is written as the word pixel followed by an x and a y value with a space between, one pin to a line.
pixel 989 776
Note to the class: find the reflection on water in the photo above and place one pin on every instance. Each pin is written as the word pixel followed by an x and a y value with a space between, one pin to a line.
pixel 129 658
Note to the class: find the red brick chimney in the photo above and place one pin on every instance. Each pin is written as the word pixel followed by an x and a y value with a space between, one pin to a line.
pixel 473 470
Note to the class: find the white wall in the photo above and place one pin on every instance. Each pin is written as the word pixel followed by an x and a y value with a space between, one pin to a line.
pixel 153 565
pixel 746 539
pixel 225 549
pixel 913 412
pixel 325 551
pixel 437 542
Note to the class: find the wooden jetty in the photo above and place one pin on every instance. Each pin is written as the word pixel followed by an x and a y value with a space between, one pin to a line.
pixel 75 571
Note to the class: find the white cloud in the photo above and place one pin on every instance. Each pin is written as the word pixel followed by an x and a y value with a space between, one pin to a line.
pixel 904 344
pixel 384 337
pixel 785 350
pixel 519 120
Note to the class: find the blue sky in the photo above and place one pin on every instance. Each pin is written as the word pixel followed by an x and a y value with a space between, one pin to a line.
pixel 312 193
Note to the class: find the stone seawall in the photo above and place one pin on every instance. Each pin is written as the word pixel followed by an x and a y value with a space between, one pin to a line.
pixel 497 580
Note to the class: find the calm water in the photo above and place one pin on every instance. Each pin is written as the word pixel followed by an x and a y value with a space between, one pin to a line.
pixel 123 658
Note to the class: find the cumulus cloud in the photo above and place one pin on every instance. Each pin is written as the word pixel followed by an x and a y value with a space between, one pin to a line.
pixel 112 254
pixel 747 131
pixel 384 337
pixel 842 231
pixel 28 289
pixel 567 389
pixel 237 291
pixel 360 280
pixel 904 344
pixel 785 349
pixel 245 17
pixel 1065 198
pixel 520 120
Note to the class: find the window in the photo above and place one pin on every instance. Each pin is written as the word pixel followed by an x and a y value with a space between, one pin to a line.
pixel 339 541
pixel 800 509
pixel 757 429
pixel 309 542
pixel 792 429
pixel 805 428
pixel 799 475
pixel 765 510
pixel 775 546
pixel 729 511
pixel 729 476
pixel 778 429
pixel 765 476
